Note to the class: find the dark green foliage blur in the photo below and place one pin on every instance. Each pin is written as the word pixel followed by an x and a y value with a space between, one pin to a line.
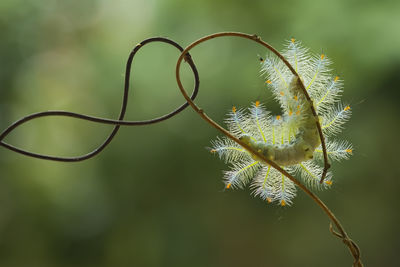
pixel 155 196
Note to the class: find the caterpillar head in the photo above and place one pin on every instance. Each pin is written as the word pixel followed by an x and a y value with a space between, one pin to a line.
pixel 247 140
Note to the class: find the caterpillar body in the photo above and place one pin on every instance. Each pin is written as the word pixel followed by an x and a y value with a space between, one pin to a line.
pixel 291 140
pixel 305 142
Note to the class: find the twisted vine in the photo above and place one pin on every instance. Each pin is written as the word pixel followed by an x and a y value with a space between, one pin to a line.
pixel 352 246
pixel 354 250
pixel 117 123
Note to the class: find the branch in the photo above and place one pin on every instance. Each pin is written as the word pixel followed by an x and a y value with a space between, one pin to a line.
pixel 342 233
pixel 120 121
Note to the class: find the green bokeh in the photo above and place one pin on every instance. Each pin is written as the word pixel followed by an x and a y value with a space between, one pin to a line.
pixel 154 196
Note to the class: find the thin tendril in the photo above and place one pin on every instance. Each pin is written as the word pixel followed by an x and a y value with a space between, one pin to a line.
pixel 354 249
pixel 347 241
pixel 117 123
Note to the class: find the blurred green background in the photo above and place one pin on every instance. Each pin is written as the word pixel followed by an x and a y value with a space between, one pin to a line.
pixel 155 196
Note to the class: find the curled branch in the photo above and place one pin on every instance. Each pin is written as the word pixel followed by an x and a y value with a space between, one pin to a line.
pixel 120 121
pixel 354 249
pixel 349 243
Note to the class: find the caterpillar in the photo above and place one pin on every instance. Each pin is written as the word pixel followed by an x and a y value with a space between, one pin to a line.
pixel 305 142
pixel 291 139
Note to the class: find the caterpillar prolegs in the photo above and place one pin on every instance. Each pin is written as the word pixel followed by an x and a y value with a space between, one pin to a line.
pixel 291 140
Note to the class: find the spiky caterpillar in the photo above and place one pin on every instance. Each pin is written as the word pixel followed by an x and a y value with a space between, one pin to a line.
pixel 306 140
pixel 291 140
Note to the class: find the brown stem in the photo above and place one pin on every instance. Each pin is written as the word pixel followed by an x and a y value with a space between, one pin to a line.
pixel 342 233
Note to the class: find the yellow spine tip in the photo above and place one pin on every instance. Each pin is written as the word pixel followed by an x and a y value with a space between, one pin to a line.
pixel 269 199
pixel 298 110
pixel 346 108
pixel 228 186
pixel 322 56
pixel 328 182
pixel 257 103
pixel 336 78
pixel 296 97
pixel 282 93
pixel 290 113
pixel 278 117
pixel 234 109
pixel 292 40
pixel 283 203
pixel 213 150
pixel 268 81
pixel 349 150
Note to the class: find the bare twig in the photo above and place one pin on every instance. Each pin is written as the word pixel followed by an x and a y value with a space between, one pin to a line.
pixel 343 235
pixel 185 55
pixel 117 123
